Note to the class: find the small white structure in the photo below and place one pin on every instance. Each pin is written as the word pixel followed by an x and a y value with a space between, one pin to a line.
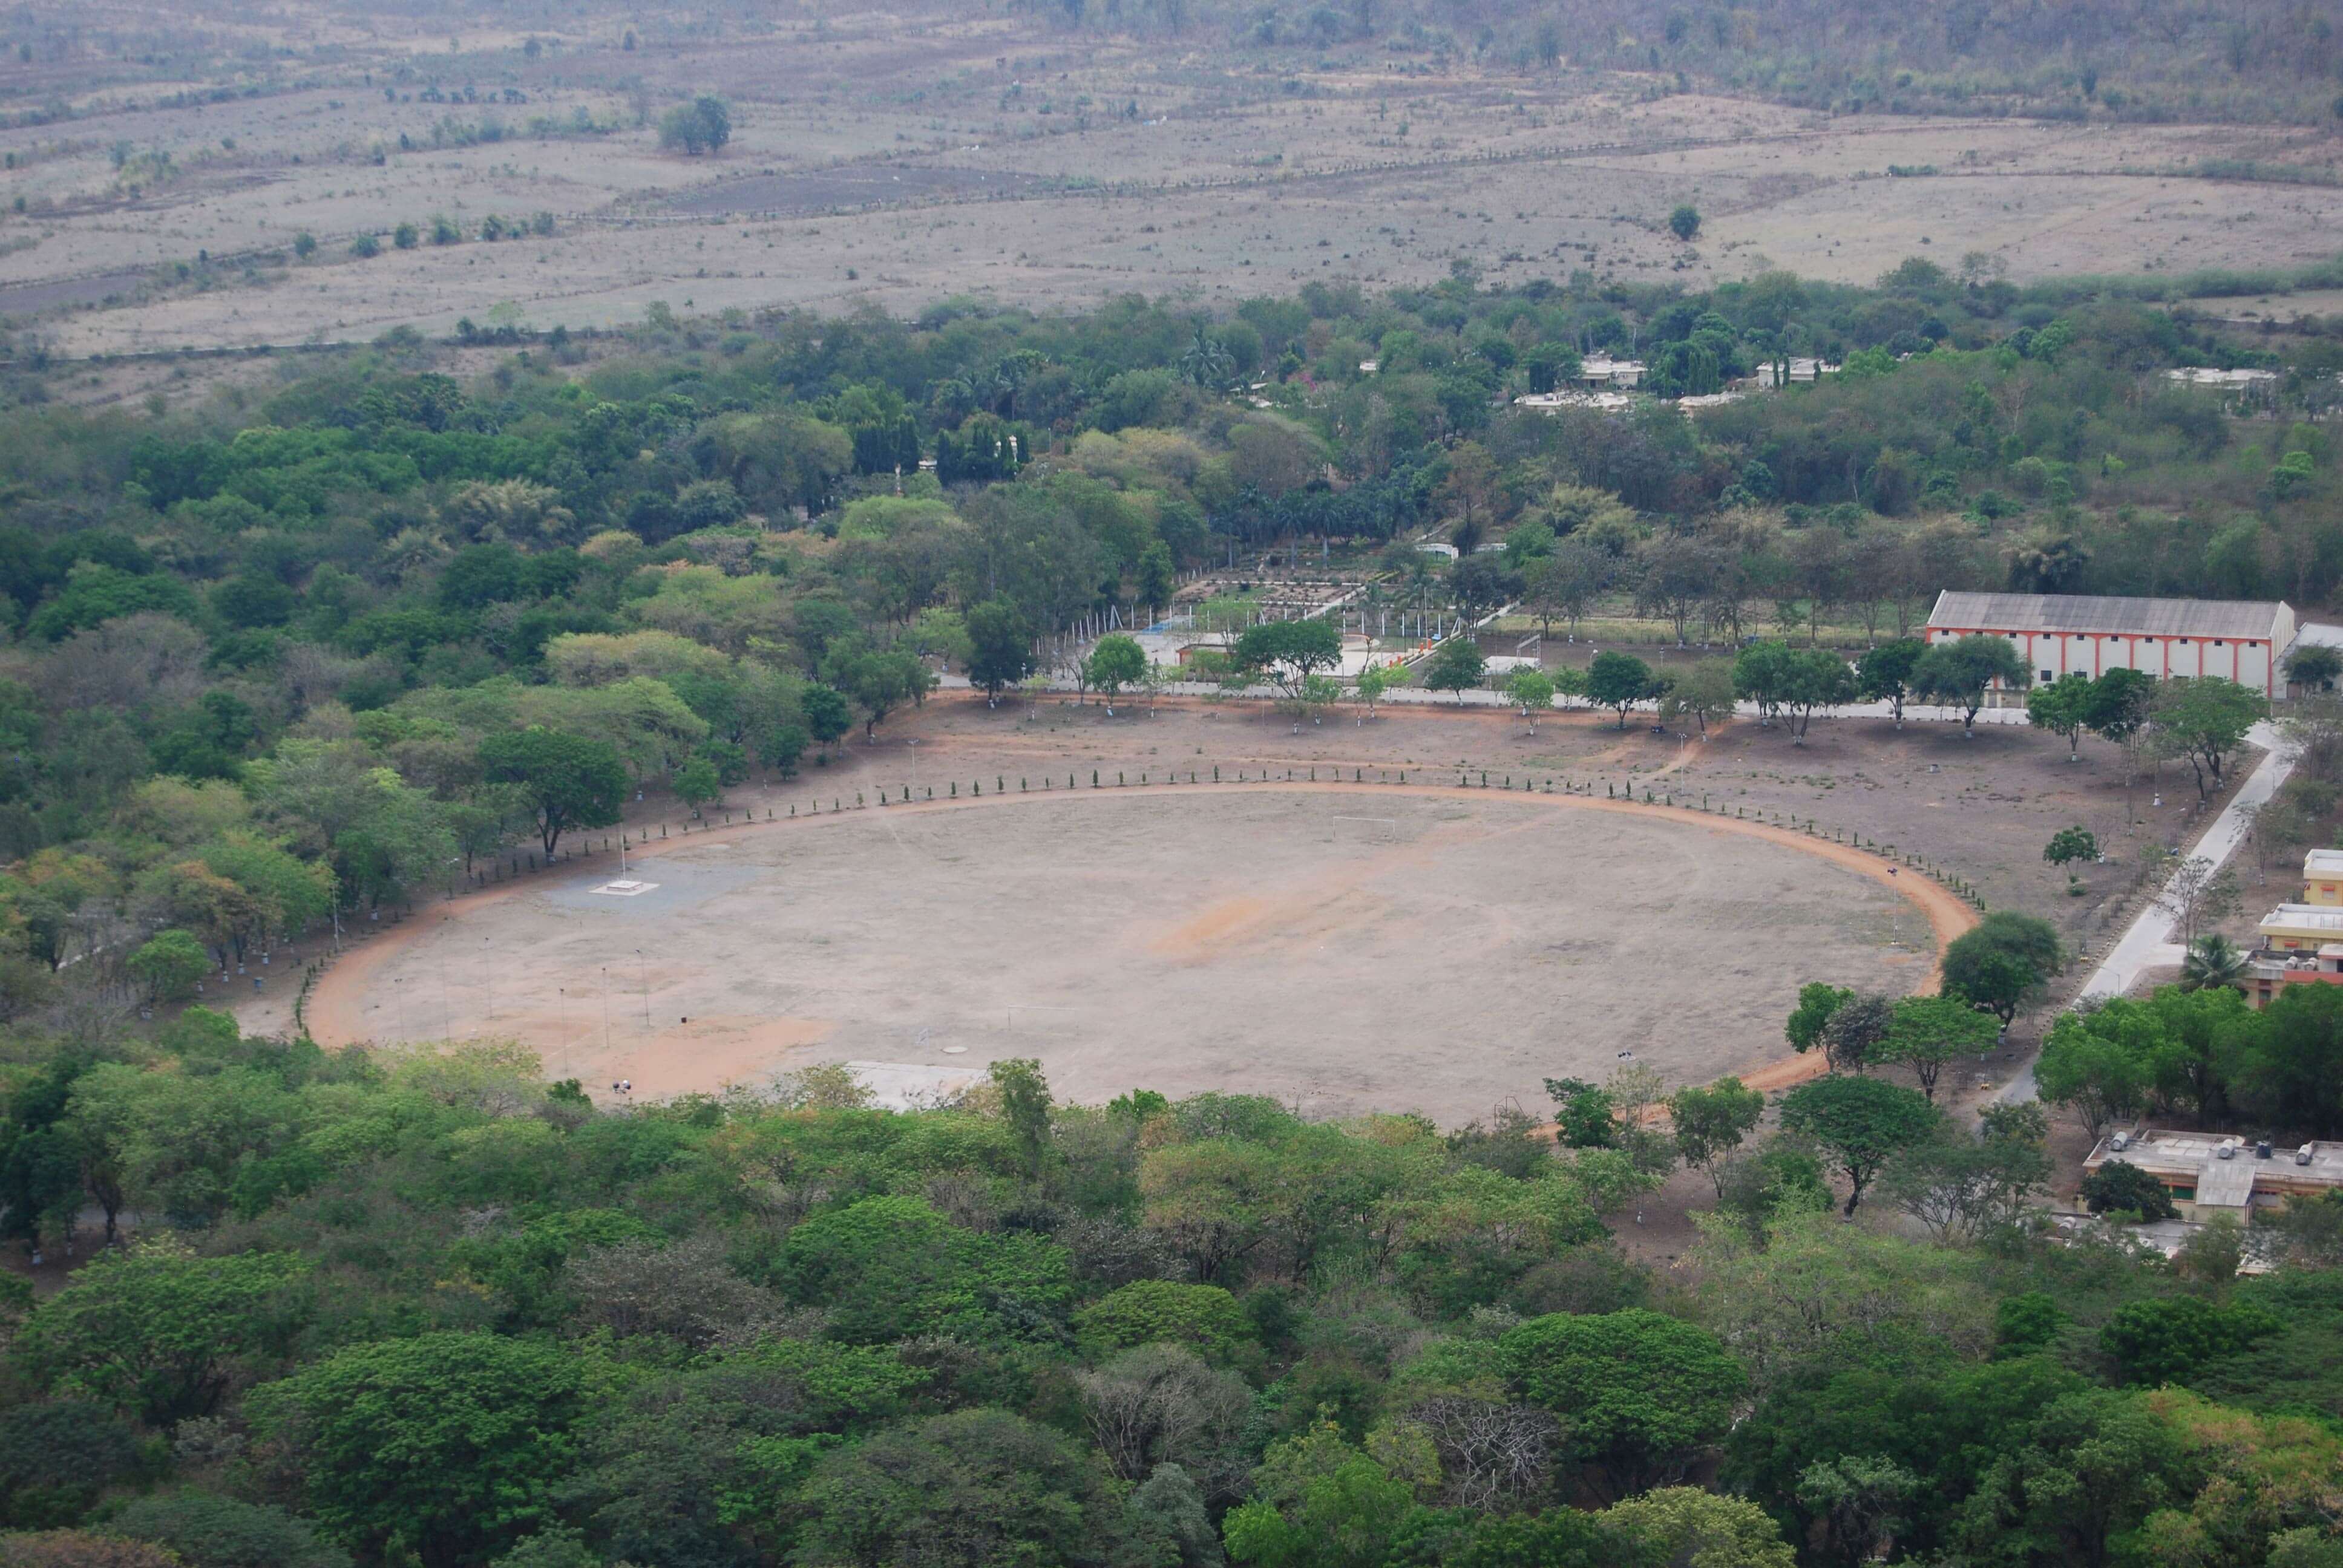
pixel 1769 376
pixel 2221 380
pixel 2243 640
pixel 1553 402
pixel 1624 375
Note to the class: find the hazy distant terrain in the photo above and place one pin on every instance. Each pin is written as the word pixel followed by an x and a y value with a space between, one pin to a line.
pixel 165 162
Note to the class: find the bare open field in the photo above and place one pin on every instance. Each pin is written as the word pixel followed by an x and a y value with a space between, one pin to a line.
pixel 1349 949
pixel 887 161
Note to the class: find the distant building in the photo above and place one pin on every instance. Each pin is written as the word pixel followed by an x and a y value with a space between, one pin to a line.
pixel 2209 1174
pixel 2301 943
pixel 1551 402
pixel 2243 640
pixel 1618 374
pixel 2225 380
pixel 1769 377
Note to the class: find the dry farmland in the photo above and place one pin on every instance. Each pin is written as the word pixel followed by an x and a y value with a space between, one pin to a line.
pixel 883 160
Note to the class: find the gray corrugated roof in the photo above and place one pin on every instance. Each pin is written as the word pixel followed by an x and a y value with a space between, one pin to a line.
pixel 2080 612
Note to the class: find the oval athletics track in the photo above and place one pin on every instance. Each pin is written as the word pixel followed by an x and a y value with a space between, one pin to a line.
pixel 333 1008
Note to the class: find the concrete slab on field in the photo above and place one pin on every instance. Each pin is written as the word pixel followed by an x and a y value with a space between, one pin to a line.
pixel 680 883
pixel 911 1086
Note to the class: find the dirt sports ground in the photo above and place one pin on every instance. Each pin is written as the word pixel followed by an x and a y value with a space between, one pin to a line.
pixel 1326 944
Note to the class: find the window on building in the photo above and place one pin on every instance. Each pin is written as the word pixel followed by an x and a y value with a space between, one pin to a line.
pixel 2047 678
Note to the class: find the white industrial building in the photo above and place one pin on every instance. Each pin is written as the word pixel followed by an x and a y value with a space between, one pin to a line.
pixel 2243 640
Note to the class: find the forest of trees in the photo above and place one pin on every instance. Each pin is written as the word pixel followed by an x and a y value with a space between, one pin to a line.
pixel 325 645
pixel 421 1308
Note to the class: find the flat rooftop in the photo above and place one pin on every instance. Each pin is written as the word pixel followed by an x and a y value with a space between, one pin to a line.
pixel 2194 1158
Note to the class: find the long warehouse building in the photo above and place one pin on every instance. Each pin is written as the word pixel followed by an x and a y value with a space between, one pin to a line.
pixel 2243 640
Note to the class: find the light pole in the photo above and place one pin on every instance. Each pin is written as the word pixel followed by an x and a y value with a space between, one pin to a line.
pixel 606 1009
pixel 644 966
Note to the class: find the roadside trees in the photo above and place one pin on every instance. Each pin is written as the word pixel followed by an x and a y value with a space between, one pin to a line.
pixel 1533 689
pixel 1762 674
pixel 1817 679
pixel 567 780
pixel 1287 653
pixel 1958 674
pixel 1883 674
pixel 1925 1032
pixel 2063 707
pixel 1116 662
pixel 1701 693
pixel 1457 666
pixel 2207 720
pixel 1000 647
pixel 1618 681
pixel 2002 963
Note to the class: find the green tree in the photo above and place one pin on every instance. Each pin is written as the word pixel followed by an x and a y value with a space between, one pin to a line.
pixel 1861 1123
pixel 2213 961
pixel 1883 673
pixel 1764 676
pixel 1287 653
pixel 2315 666
pixel 1643 1394
pixel 1025 1104
pixel 2002 963
pixel 1000 647
pixel 158 1330
pixel 168 964
pixel 1685 222
pixel 1959 673
pixel 2068 845
pixel 701 126
pixel 1205 1318
pixel 2119 703
pixel 1928 1032
pixel 1705 692
pixel 2072 1482
pixel 2100 1062
pixel 1618 680
pixel 446 1446
pixel 696 784
pixel 1115 662
pixel 2120 1187
pixel 1817 1003
pixel 1688 1525
pixel 211 1532
pixel 976 1486
pixel 889 1268
pixel 58 1457
pixel 826 715
pixel 1818 677
pixel 1532 690
pixel 2064 707
pixel 2207 720
pixel 567 780
pixel 1709 1123
pixel 1457 666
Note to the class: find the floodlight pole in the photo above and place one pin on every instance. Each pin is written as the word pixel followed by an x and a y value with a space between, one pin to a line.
pixel 644 966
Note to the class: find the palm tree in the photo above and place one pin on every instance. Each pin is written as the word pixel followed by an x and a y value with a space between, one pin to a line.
pixel 2212 961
